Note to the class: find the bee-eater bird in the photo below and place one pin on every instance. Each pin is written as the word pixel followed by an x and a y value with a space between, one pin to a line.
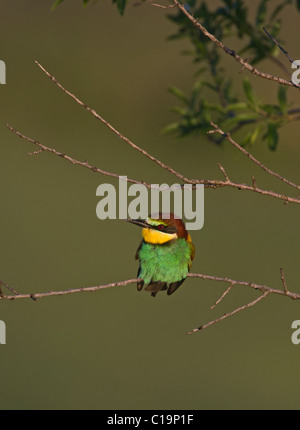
pixel 165 254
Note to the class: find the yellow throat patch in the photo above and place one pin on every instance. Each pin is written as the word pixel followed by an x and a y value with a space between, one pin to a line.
pixel 157 237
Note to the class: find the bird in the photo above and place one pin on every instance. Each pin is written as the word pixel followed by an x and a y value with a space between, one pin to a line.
pixel 165 253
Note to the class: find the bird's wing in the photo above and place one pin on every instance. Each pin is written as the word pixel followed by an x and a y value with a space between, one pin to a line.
pixel 137 251
pixel 173 286
pixel 191 246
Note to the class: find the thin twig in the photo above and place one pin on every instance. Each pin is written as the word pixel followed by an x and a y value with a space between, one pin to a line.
pixel 279 46
pixel 113 129
pixel 36 296
pixel 205 182
pixel 250 156
pixel 224 172
pixel 222 297
pixel 8 287
pixel 208 183
pixel 255 286
pixel 73 160
pixel 231 52
pixel 263 288
pixel 283 281
pixel 229 314
pixel 232 282
pixel 164 7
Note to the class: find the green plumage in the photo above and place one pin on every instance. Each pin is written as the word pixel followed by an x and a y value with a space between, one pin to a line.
pixel 165 253
pixel 165 264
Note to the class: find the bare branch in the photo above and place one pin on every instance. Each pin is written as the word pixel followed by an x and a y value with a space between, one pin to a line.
pixel 8 287
pixel 229 314
pixel 255 286
pixel 243 150
pixel 224 172
pixel 170 6
pixel 222 297
pixel 286 291
pixel 265 290
pixel 71 159
pixel 208 183
pixel 279 46
pixel 231 52
pixel 231 282
pixel 241 186
pixel 36 296
pixel 114 130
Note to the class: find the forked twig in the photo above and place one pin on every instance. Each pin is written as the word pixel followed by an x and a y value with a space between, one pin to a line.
pixel 208 183
pixel 72 160
pixel 231 52
pixel 265 290
pixel 229 314
pixel 8 287
pixel 250 156
pixel 113 129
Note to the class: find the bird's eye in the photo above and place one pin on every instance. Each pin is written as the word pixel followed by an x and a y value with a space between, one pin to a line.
pixel 161 227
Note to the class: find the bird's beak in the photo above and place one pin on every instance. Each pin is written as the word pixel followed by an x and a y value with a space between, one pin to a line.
pixel 139 222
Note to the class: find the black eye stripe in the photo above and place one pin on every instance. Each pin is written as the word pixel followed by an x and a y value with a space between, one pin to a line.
pixel 166 228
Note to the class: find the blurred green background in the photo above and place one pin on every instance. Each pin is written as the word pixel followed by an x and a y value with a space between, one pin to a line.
pixel 119 349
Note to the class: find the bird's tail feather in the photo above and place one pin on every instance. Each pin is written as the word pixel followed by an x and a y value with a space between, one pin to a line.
pixel 155 287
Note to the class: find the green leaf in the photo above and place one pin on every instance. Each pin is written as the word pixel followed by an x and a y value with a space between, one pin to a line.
pixel 272 135
pixel 178 93
pixel 179 110
pixel 240 119
pixel 270 109
pixel 261 13
pixel 278 9
pixel 197 87
pixel 281 95
pixel 239 106
pixel 246 139
pixel 121 4
pixel 171 128
pixel 195 93
pixel 251 136
pixel 249 91
pixel 254 134
pixel 55 4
